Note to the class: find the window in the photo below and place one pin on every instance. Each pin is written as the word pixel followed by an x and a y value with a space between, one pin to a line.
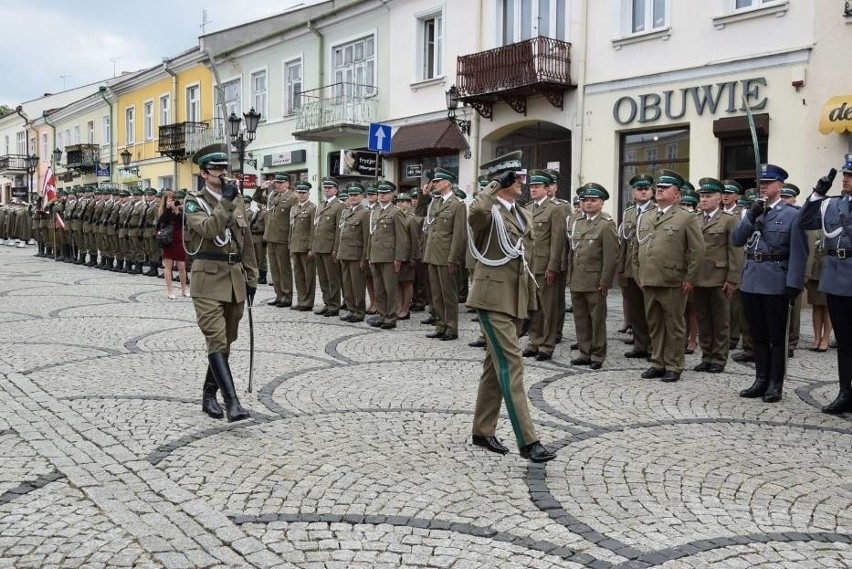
pixel 7 145
pixel 233 102
pixel 644 16
pixel 292 86
pixel 355 68
pixel 59 140
pixel 90 132
pixel 258 93
pixel 746 4
pixel 525 19
pixel 165 182
pixel 193 103
pixel 130 125
pixel 431 31
pixel 77 139
pixel 640 152
pixel 107 128
pixel 68 140
pixel 165 102
pixel 148 120
pixel 44 147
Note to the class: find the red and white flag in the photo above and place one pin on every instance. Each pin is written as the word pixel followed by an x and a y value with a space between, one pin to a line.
pixel 49 188
pixel 59 223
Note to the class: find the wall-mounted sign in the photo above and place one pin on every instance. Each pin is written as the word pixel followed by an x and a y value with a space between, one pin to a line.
pixel 20 193
pixel 102 170
pixel 285 158
pixel 356 163
pixel 413 170
pixel 249 181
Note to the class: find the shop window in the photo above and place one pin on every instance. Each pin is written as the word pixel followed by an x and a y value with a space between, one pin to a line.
pixel 641 152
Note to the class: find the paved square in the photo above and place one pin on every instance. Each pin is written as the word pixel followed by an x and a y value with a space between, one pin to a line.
pixel 358 452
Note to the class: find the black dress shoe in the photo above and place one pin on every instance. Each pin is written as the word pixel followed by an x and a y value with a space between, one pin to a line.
pixel 352 318
pixel 449 336
pixel 478 343
pixel 387 325
pixel 634 353
pixel 715 368
pixel 536 453
pixel 542 357
pixel 282 304
pixel 670 377
pixel 841 404
pixel 574 346
pixel 406 317
pixel 703 366
pixel 375 321
pixel 435 334
pixel 529 352
pixel 629 341
pixel 321 312
pixel 296 307
pixel 492 444
pixel 595 365
pixel 790 354
pixel 273 302
pixel 580 361
pixel 430 320
pixel 331 313
pixel 742 357
pixel 653 372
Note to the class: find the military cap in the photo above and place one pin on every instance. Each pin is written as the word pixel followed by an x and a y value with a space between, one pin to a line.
pixel 355 189
pixel 283 177
pixel 342 193
pixel 592 190
pixel 732 187
pixel 137 192
pixel 162 192
pixel 123 193
pixel 330 182
pixel 403 197
pixel 847 164
pixel 211 155
pixel 247 199
pixel 750 196
pixel 554 175
pixel 180 194
pixel 772 173
pixel 539 177
pixel 303 186
pixel 386 186
pixel 371 189
pixel 641 180
pixel 504 163
pixel 668 178
pixel 482 181
pixel 150 191
pixel 710 186
pixel 415 193
pixel 687 187
pixel 442 174
pixel 689 197
pixel 460 194
pixel 790 190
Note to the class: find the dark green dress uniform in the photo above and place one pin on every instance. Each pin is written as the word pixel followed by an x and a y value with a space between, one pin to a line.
pixel 594 245
pixel 326 220
pixel 224 273
pixel 351 247
pixel 503 294
pixel 301 235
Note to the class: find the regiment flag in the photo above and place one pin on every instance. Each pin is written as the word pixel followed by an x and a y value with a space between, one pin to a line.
pixel 49 188
pixel 59 223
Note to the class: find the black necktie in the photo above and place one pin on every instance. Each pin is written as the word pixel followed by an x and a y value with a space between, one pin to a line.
pixel 707 217
pixel 517 215
pixel 659 214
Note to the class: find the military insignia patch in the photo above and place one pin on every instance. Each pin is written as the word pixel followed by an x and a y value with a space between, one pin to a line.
pixel 191 207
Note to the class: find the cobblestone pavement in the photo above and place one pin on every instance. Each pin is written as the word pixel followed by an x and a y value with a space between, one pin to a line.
pixel 358 451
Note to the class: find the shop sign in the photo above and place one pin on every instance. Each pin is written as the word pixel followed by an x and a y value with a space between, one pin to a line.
pixel 102 170
pixel 836 115
pixel 413 170
pixel 109 186
pixel 719 97
pixel 20 193
pixel 249 181
pixel 285 158
pixel 359 163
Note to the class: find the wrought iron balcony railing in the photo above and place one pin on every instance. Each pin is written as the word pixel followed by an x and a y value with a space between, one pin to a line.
pixel 180 140
pixel 341 107
pixel 511 73
pixel 82 157
pixel 13 163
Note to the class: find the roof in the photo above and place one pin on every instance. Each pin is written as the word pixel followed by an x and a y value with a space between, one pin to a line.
pixel 433 136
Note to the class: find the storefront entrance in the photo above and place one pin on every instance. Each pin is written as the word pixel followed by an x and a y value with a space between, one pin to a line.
pixel 545 145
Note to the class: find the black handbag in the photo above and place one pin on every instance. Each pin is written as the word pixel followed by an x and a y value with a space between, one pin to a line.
pixel 165 235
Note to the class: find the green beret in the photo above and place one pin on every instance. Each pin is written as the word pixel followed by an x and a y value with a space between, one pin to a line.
pixel 386 186
pixel 593 190
pixel 303 186
pixel 790 190
pixel 539 177
pixel 710 185
pixel 441 174
pixel 641 181
pixel 504 163
pixel 330 182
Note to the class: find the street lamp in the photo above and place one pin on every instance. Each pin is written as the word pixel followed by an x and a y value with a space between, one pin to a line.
pixel 125 159
pixel 240 139
pixel 32 165
pixel 453 104
pixel 57 156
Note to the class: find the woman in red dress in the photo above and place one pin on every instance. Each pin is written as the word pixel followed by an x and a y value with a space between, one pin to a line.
pixel 171 213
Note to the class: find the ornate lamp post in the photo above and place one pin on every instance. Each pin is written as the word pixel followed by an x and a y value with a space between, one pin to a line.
pixel 240 139
pixel 32 165
pixel 125 159
pixel 453 104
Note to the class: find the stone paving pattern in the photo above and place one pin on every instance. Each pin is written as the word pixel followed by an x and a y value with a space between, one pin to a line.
pixel 358 451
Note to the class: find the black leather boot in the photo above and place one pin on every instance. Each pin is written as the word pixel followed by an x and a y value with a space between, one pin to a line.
pixel 208 398
pixel 262 278
pixel 777 364
pixel 152 272
pixel 225 381
pixel 843 402
pixel 137 269
pixel 761 377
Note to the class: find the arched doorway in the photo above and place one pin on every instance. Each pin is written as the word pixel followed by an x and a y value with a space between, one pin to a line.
pixel 544 144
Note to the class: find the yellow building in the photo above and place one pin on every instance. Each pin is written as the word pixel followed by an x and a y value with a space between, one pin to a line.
pixel 161 117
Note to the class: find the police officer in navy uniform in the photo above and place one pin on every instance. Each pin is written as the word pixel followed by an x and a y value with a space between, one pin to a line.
pixel 835 215
pixel 773 276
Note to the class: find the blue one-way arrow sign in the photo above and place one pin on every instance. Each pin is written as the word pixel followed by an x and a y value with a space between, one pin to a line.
pixel 380 137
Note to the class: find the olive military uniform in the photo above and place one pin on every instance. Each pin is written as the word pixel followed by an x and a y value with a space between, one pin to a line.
pixel 301 233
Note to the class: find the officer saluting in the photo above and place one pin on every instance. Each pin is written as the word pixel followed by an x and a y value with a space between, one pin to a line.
pixel 773 276
pixel 224 273
pixel 836 277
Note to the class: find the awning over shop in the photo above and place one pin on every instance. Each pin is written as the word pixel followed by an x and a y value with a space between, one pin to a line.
pixel 836 115
pixel 433 137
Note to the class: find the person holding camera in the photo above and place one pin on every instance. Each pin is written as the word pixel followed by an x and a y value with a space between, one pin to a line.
pixel 171 216
pixel 773 276
pixel 834 216
pixel 224 273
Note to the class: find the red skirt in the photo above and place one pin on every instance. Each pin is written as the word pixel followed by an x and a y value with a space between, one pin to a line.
pixel 174 250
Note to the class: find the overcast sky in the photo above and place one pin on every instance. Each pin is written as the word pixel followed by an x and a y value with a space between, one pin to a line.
pixel 46 39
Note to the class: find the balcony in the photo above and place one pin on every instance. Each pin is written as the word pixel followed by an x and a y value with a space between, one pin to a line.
pixel 335 110
pixel 82 157
pixel 13 163
pixel 538 66
pixel 180 141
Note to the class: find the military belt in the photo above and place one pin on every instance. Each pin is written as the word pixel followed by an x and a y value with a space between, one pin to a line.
pixel 230 258
pixel 839 253
pixel 764 257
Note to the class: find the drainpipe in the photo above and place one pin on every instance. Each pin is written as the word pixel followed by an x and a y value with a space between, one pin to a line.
pixel 46 116
pixel 581 107
pixel 320 53
pixel 103 90
pixel 475 141
pixel 220 94
pixel 20 110
pixel 175 107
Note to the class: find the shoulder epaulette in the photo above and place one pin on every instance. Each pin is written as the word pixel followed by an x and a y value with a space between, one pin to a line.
pixel 628 208
pixel 606 216
pixel 731 213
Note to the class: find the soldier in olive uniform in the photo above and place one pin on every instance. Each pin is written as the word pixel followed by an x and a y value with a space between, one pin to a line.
pixel 351 252
pixel 594 256
pixel 301 233
pixel 789 193
pixel 372 194
pixel 124 247
pixel 224 274
pixel 643 191
pixel 257 212
pixel 733 190
pixel 717 279
pixel 135 226
pixel 444 253
pixel 548 219
pixel 389 249
pixel 503 293
pixel 670 250
pixel 277 234
pixel 149 232
pixel 326 222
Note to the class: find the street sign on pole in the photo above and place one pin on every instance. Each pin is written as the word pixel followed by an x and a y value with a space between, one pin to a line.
pixel 379 139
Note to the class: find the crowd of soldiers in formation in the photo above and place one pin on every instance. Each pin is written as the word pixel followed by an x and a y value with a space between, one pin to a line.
pixel 114 230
